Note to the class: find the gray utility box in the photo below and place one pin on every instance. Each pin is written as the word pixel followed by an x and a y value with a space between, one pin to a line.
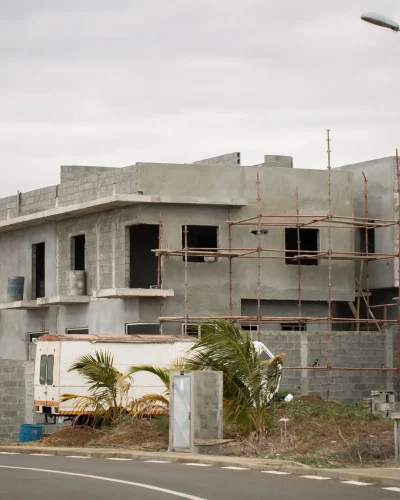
pixel 195 408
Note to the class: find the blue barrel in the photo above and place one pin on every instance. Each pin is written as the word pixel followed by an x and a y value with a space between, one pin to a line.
pixel 15 288
pixel 30 432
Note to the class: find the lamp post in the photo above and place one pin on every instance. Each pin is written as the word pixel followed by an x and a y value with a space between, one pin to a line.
pixel 380 20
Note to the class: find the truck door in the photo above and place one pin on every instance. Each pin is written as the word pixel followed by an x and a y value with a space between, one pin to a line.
pixel 47 374
pixel 53 373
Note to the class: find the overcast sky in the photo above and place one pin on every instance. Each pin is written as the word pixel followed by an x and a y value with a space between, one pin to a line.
pixel 96 82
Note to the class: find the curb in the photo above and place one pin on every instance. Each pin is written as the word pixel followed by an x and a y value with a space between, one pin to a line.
pixel 378 478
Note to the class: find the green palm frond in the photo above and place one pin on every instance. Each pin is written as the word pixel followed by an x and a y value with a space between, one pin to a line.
pixel 248 381
pixel 162 373
pixel 108 387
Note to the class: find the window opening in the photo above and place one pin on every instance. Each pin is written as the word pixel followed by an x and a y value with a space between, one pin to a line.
pixel 193 329
pixel 77 331
pixel 143 262
pixel 308 242
pixel 363 231
pixel 43 369
pixel 38 270
pixel 50 369
pixel 200 237
pixel 293 327
pixel 250 328
pixel 142 329
pixel 78 244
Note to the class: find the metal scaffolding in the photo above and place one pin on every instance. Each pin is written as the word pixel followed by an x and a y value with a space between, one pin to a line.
pixel 298 221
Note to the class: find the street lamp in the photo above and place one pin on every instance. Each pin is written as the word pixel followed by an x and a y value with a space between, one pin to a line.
pixel 380 20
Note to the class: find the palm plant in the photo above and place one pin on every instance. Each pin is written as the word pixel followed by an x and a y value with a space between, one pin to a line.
pixel 152 404
pixel 249 382
pixel 108 388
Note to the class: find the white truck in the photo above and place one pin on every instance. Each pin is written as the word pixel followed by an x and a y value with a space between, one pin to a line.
pixel 55 354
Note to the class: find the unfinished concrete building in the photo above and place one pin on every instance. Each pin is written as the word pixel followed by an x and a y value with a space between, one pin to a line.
pixel 162 248
pixel 86 248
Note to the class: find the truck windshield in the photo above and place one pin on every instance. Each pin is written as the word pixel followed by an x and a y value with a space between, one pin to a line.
pixel 43 369
pixel 46 369
pixel 50 368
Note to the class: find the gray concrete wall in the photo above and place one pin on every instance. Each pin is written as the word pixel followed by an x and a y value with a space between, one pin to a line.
pixel 107 246
pixel 208 416
pixel 16 397
pixel 348 349
pixel 227 159
pixel 381 176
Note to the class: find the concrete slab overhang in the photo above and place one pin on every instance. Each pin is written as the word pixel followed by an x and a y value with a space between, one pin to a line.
pixel 130 293
pixel 108 203
pixel 22 305
pixel 63 300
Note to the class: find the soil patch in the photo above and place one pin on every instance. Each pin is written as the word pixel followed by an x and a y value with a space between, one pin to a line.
pixel 129 432
pixel 78 437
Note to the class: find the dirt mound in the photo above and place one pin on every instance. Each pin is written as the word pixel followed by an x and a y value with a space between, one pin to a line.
pixel 72 436
pixel 135 434
pixel 316 400
pixel 128 433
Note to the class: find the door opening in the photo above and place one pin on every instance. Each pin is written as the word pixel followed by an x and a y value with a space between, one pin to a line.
pixel 143 263
pixel 38 270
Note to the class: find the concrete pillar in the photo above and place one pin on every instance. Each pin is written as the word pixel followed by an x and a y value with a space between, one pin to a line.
pixel 304 362
pixel 396 419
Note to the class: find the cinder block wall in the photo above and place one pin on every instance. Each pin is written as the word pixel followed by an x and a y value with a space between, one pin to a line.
pixel 16 397
pixel 348 349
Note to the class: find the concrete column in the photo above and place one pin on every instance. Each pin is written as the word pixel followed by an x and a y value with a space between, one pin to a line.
pixel 304 362
pixel 389 357
pixel 396 419
pixel 114 230
pixel 97 229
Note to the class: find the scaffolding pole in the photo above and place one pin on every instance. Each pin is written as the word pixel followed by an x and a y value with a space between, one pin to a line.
pixel 328 354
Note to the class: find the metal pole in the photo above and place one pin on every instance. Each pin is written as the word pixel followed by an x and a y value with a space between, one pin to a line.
pixel 398 264
pixel 186 279
pixel 259 258
pixel 298 252
pixel 230 269
pixel 328 355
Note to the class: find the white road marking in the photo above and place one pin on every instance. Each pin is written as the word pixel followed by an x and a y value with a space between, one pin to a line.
pixel 392 488
pixel 279 472
pixel 110 479
pixel 122 459
pixel 235 468
pixel 8 453
pixel 157 461
pixel 199 465
pixel 41 455
pixel 76 456
pixel 318 478
pixel 356 483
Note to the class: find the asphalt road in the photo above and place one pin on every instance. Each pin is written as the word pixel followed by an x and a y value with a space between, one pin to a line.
pixel 46 477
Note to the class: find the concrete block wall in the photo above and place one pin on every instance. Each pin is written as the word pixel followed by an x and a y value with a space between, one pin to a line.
pixel 8 207
pixel 38 200
pixel 99 185
pixel 16 397
pixel 73 172
pixel 348 349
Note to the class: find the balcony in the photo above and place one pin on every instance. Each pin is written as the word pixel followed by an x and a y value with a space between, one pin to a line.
pixel 131 293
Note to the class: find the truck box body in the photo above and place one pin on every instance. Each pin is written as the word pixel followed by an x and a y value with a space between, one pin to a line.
pixel 55 354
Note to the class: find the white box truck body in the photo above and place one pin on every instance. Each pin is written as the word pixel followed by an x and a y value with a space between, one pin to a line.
pixel 55 354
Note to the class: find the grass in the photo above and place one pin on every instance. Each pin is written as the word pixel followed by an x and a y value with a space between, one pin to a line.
pixel 323 434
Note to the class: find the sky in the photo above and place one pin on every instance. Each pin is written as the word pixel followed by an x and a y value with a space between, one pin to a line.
pixel 112 83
